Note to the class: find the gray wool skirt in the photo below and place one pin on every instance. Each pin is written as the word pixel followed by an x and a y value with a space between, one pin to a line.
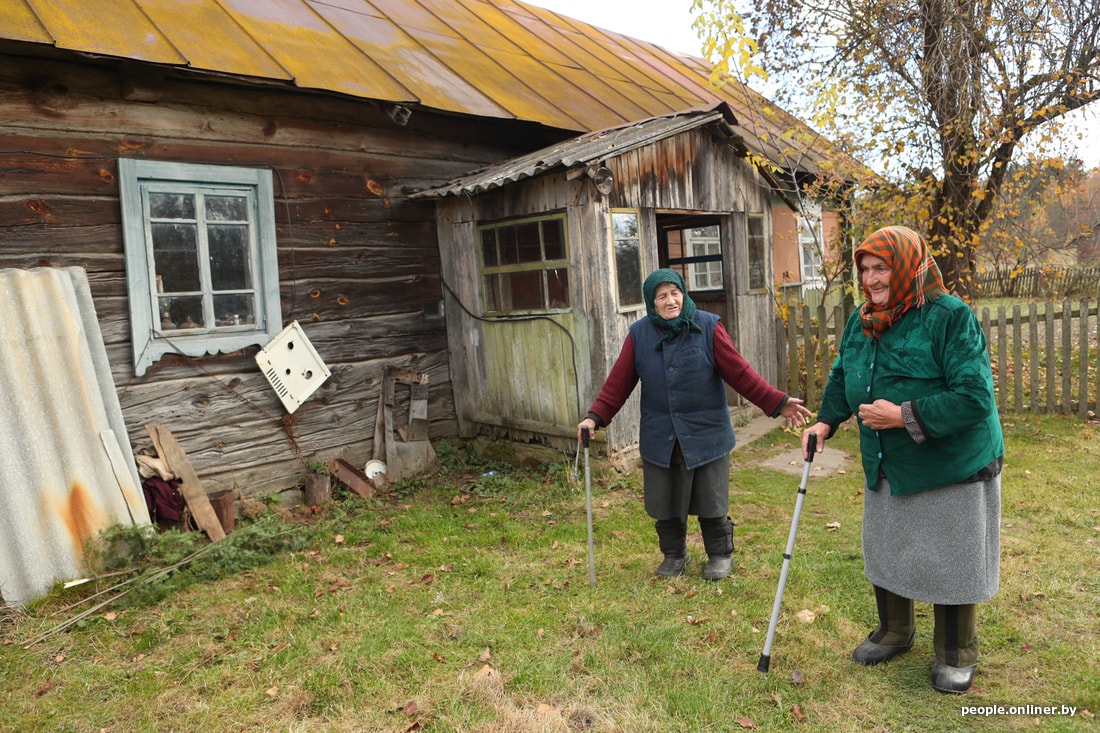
pixel 939 546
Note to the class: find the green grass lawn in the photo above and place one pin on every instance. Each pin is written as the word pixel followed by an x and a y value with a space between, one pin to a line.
pixel 462 603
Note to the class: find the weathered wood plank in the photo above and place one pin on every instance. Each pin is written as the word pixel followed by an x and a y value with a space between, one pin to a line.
pixel 190 486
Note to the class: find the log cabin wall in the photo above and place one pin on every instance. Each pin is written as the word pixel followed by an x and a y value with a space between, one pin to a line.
pixel 359 262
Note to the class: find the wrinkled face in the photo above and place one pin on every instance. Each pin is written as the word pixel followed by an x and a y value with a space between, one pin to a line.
pixel 875 276
pixel 668 300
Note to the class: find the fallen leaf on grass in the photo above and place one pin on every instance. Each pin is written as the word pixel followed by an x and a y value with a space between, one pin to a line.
pixel 485 655
pixel 797 710
pixel 746 722
pixel 485 671
pixel 339 539
pixel 45 687
pixel 806 616
pixel 797 678
pixel 832 526
pixel 272 691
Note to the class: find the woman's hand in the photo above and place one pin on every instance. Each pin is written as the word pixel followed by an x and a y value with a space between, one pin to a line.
pixel 586 423
pixel 795 413
pixel 822 431
pixel 881 414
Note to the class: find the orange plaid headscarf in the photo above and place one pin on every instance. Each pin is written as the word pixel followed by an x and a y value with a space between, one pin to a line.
pixel 914 276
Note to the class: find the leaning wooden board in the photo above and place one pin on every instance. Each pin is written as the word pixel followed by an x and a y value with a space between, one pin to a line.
pixel 190 487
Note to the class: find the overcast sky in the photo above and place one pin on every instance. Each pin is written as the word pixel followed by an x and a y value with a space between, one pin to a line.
pixel 668 23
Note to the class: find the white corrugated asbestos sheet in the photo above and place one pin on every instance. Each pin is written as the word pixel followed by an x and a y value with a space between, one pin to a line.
pixel 66 467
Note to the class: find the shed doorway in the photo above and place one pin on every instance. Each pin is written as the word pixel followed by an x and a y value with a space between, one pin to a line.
pixel 695 246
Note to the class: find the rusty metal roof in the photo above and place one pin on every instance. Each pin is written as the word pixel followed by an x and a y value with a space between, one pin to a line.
pixel 585 151
pixel 489 58
pixel 66 467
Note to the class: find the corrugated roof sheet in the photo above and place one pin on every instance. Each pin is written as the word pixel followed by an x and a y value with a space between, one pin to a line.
pixel 66 467
pixel 582 152
pixel 490 58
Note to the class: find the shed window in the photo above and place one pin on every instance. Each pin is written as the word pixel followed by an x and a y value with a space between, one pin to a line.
pixel 810 244
pixel 201 264
pixel 628 258
pixel 524 265
pixel 757 264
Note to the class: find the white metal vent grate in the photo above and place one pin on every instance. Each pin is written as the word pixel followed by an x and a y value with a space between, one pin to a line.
pixel 292 366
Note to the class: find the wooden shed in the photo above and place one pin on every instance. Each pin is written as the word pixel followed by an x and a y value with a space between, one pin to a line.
pixel 544 258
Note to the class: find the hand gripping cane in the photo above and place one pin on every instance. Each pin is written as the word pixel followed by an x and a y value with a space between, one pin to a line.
pixel 588 503
pixel 766 656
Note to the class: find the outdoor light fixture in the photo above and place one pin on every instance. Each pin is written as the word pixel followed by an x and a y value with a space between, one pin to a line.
pixel 602 179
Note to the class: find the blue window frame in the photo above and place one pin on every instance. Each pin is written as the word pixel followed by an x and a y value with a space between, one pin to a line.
pixel 201 263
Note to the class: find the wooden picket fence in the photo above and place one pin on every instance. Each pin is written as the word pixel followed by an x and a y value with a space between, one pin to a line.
pixel 1038 281
pixel 1044 355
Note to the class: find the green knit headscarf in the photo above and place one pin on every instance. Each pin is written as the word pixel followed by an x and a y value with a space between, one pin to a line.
pixel 672 327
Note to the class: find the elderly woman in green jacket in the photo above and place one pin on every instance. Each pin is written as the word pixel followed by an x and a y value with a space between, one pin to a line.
pixel 914 369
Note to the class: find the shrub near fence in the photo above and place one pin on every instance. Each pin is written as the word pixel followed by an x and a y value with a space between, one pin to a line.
pixel 1044 355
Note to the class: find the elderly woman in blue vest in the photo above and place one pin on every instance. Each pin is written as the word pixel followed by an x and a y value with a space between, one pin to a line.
pixel 914 369
pixel 684 358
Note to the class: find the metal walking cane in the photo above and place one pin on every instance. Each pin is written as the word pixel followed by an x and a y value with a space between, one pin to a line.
pixel 766 656
pixel 588 502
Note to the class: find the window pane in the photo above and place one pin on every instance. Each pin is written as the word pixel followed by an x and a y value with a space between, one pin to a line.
pixel 523 290
pixel 757 274
pixel 557 286
pixel 235 309
pixel 520 244
pixel 628 269
pixel 553 239
pixel 489 247
pixel 181 312
pixel 628 258
pixel 226 208
pixel 175 257
pixel 171 206
pixel 492 293
pixel 625 226
pixel 229 265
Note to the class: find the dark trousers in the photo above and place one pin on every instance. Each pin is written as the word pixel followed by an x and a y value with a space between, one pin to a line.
pixel 717 536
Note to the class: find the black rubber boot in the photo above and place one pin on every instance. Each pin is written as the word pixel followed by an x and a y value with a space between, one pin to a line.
pixel 896 629
pixel 672 539
pixel 955 638
pixel 718 541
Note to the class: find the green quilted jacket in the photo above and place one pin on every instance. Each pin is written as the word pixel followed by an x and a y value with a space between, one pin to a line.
pixel 936 357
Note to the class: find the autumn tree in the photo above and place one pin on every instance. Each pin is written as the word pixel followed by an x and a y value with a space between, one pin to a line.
pixel 938 96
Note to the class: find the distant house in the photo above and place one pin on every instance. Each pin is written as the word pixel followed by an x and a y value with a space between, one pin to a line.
pixel 220 169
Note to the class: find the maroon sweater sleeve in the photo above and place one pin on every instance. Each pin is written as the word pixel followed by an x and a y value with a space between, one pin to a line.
pixel 737 373
pixel 618 386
